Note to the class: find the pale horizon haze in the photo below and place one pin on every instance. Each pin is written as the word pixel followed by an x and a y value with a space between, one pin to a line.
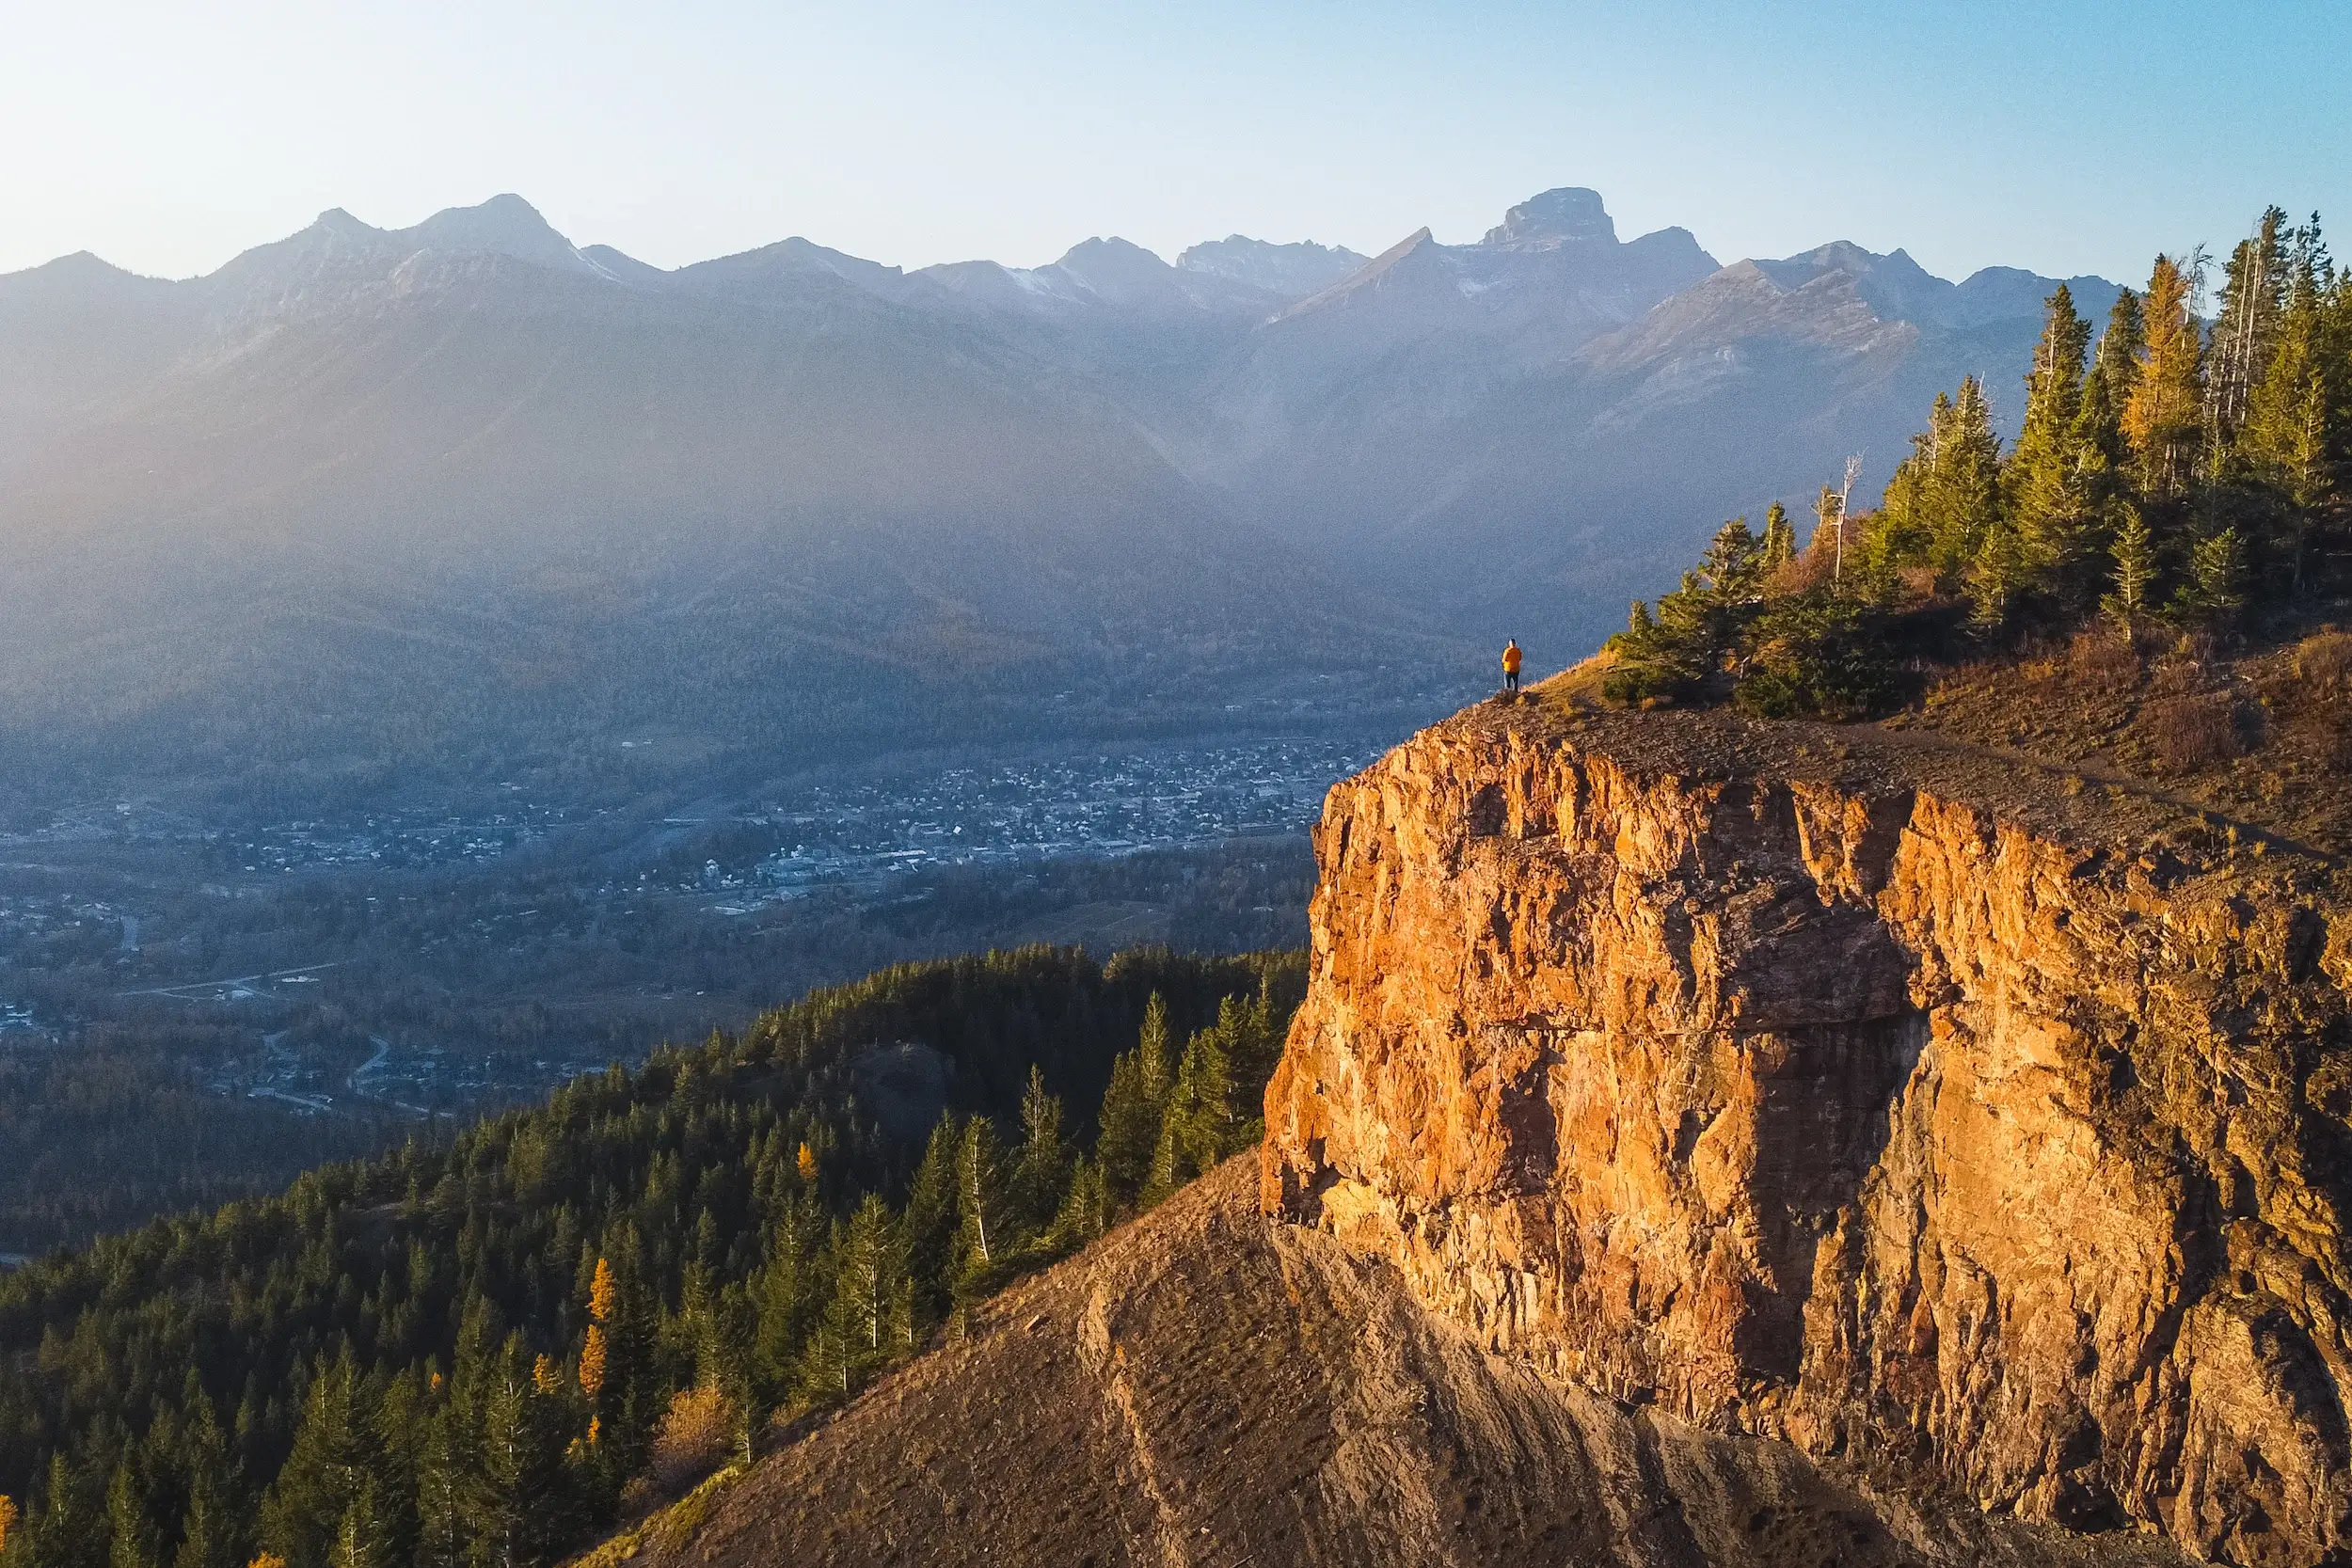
pixel 2067 138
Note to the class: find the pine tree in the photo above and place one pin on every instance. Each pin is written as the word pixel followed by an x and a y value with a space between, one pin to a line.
pixel 2288 435
pixel 360 1537
pixel 1196 1130
pixel 787 1294
pixel 444 1468
pixel 980 1203
pixel 1964 480
pixel 2046 479
pixel 71 1532
pixel 2246 329
pixel 1942 502
pixel 209 1537
pixel 1733 567
pixel 1085 1208
pixel 1155 1052
pixel 2001 571
pixel 2106 387
pixel 1129 1124
pixel 2134 553
pixel 1253 1048
pixel 1041 1167
pixel 2215 590
pixel 400 1403
pixel 1669 655
pixel 1779 547
pixel 2163 417
pixel 857 1329
pixel 514 1499
pixel 725 1362
pixel 926 1228
pixel 130 1536
pixel 1899 532
pixel 323 1474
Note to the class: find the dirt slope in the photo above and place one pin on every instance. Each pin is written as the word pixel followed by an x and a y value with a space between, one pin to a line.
pixel 1208 1388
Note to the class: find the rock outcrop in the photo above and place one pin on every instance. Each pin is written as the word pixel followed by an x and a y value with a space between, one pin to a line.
pixel 1973 1126
pixel 1205 1390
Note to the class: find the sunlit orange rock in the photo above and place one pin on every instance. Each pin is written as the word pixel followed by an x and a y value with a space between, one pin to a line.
pixel 1935 1114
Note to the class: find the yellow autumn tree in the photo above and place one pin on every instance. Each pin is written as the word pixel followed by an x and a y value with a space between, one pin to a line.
pixel 267 1560
pixel 808 1163
pixel 692 1438
pixel 7 1518
pixel 545 1377
pixel 600 1293
pixel 592 1363
pixel 2164 417
pixel 602 1297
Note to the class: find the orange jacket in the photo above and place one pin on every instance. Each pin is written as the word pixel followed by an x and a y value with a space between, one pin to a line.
pixel 1511 660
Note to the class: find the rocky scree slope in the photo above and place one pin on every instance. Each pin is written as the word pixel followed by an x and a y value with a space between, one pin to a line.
pixel 1954 1120
pixel 1207 1387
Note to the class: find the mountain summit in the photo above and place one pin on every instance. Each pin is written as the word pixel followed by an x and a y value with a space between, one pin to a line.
pixel 505 226
pixel 1568 216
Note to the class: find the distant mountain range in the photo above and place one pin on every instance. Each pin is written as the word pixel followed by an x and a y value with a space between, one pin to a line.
pixel 321 500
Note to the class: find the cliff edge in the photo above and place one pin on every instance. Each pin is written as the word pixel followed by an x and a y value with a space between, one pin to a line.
pixel 1974 1125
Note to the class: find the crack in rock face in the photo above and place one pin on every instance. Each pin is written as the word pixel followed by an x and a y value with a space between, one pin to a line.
pixel 1858 1115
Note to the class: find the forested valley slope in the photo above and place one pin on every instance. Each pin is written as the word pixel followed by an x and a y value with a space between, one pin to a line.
pixel 481 1350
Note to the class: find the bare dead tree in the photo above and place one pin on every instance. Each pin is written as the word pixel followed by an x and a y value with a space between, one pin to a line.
pixel 1845 498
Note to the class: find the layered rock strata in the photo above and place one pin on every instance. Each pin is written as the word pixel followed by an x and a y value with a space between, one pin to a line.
pixel 1973 1125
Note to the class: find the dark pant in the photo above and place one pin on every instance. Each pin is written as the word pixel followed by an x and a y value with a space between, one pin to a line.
pixel 1510 680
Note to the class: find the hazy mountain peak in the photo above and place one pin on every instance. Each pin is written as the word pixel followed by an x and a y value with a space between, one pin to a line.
pixel 505 225
pixel 2012 293
pixel 1894 285
pixel 1849 257
pixel 1417 255
pixel 1111 258
pixel 795 259
pixel 82 264
pixel 335 220
pixel 1296 270
pixel 1118 270
pixel 1569 215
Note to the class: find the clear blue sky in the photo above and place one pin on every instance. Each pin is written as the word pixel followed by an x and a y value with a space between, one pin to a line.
pixel 2067 138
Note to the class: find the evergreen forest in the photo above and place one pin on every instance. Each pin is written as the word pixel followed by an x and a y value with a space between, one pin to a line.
pixel 480 1353
pixel 2181 469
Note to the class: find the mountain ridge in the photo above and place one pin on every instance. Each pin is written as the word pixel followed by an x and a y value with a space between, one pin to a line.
pixel 1391 430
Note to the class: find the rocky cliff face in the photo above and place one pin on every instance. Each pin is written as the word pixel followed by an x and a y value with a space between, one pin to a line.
pixel 1969 1125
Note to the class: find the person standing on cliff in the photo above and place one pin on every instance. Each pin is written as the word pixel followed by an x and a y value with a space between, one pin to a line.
pixel 1511 667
